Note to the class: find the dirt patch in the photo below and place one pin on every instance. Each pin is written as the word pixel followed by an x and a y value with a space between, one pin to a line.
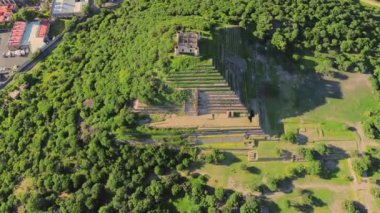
pixel 86 131
pixel 21 209
pixel 336 206
pixel 25 186
pixel 89 103
pixel 234 185
pixel 64 195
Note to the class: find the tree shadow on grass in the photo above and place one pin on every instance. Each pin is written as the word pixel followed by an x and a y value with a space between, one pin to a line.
pixel 229 159
pixel 330 162
pixel 360 207
pixel 254 170
pixel 315 201
pixel 270 206
pixel 195 165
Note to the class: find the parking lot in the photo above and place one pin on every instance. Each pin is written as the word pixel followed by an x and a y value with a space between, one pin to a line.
pixel 10 61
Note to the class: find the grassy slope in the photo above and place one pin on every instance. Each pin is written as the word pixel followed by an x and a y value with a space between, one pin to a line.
pixel 356 99
pixel 374 3
pixel 352 98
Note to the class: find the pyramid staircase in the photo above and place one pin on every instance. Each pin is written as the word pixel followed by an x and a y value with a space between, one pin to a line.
pixel 211 93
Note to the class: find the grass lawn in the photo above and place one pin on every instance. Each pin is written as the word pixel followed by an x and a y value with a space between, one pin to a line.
pixel 269 149
pixel 229 174
pixel 356 98
pixel 223 145
pixel 328 101
pixel 324 196
pixel 318 129
pixel 340 177
pixel 265 149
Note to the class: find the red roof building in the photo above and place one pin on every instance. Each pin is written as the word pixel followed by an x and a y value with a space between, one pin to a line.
pixel 6 13
pixel 44 26
pixel 17 33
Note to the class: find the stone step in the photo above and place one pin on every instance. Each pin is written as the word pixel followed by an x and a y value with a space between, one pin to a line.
pixel 196 77
pixel 196 71
pixel 223 97
pixel 212 87
pixel 202 84
pixel 222 89
pixel 225 111
pixel 225 105
pixel 227 108
pixel 200 81
pixel 216 93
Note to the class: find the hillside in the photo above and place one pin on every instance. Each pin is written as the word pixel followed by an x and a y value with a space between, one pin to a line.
pixel 64 141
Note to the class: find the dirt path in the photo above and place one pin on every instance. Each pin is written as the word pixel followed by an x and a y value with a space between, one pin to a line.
pixel 329 186
pixel 372 3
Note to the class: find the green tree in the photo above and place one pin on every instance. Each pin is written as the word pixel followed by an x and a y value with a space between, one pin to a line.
pixel 251 205
pixel 233 200
pixel 362 165
pixel 219 193
pixel 321 148
pixel 289 136
pixel 349 206
pixel 279 41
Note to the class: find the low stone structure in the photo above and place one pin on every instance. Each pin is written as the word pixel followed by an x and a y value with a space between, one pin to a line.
pixel 143 108
pixel 252 156
pixel 187 43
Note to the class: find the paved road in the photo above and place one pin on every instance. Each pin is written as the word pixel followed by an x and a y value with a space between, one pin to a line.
pixel 45 53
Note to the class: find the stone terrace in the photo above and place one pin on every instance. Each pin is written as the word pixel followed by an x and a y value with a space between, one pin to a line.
pixel 211 93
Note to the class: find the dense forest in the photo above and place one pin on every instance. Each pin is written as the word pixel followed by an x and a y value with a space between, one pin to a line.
pixel 59 142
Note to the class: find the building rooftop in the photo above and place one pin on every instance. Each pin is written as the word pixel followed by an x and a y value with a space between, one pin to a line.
pixel 6 13
pixel 187 43
pixel 67 7
pixel 17 33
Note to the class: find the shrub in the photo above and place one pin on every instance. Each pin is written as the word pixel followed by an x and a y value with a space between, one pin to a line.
pixel 362 165
pixel 215 157
pixel 289 136
pixel 349 206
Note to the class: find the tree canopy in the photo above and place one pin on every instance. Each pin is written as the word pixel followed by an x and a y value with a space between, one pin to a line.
pixel 62 133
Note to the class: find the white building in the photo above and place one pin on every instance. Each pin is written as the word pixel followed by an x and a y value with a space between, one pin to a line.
pixel 68 8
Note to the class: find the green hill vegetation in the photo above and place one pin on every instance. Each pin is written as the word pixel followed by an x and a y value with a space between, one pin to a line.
pixel 58 147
